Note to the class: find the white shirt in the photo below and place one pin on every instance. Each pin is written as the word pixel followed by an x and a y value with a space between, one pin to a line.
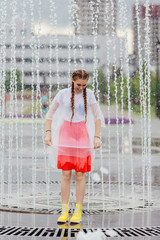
pixel 63 98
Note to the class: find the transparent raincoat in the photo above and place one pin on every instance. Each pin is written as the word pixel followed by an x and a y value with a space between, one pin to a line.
pixel 73 143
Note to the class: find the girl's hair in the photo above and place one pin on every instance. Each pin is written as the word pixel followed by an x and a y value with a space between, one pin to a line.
pixel 80 74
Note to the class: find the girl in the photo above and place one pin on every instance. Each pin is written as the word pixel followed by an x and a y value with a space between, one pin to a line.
pixel 73 136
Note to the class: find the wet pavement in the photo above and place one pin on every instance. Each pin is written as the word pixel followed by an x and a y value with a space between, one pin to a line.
pixel 127 217
pixel 133 225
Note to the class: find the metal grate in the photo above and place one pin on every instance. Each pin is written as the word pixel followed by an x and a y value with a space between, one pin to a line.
pixel 95 183
pixel 69 232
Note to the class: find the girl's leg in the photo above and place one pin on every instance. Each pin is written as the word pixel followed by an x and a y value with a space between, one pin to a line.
pixel 80 187
pixel 80 191
pixel 65 185
pixel 65 192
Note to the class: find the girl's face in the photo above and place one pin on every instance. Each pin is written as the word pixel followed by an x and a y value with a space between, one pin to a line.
pixel 79 85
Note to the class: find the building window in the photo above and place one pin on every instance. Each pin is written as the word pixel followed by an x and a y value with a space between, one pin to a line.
pixel 89 60
pixel 8 59
pixel 18 46
pixel 42 60
pixel 89 46
pixel 27 46
pixel 78 46
pixel 63 46
pixel 53 60
pixel 78 60
pixel 28 74
pixel 8 45
pixel 18 60
pixel 42 46
pixel 52 46
pixel 52 74
pixel 62 74
pixel 63 60
pixel 28 60
pixel 42 74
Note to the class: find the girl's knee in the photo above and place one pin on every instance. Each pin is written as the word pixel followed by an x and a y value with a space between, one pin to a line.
pixel 80 175
pixel 66 175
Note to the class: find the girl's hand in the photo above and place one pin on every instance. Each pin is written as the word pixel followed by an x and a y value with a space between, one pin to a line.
pixel 48 139
pixel 97 142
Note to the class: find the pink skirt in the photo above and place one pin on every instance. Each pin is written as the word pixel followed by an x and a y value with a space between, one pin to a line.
pixel 74 151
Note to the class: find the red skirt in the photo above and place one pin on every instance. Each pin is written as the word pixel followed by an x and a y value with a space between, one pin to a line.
pixel 74 151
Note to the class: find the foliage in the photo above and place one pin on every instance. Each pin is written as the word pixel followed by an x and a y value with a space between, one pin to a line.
pixel 17 83
pixel 36 109
pixel 153 89
pixel 102 86
pixel 119 90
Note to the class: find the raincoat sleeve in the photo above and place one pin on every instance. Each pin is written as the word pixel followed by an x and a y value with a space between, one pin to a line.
pixel 55 103
pixel 96 111
pixel 55 114
pixel 52 110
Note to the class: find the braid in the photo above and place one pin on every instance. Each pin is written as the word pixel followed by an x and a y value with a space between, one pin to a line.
pixel 72 100
pixel 79 74
pixel 85 102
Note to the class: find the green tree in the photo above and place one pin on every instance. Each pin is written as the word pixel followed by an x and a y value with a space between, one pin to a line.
pixel 17 83
pixel 102 84
pixel 153 89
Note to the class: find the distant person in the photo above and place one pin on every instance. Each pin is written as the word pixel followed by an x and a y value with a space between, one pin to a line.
pixel 75 132
pixel 44 101
pixel 6 100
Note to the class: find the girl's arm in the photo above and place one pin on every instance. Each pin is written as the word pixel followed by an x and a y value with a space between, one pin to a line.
pixel 49 115
pixel 97 118
pixel 97 127
pixel 48 138
pixel 97 142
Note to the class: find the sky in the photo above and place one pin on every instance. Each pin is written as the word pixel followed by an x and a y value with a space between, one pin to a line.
pixel 63 24
pixel 62 9
pixel 62 14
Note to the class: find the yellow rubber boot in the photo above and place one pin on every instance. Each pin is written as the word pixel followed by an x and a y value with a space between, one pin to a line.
pixel 76 218
pixel 64 216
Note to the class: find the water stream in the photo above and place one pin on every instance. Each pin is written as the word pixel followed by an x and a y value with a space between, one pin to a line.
pixel 25 173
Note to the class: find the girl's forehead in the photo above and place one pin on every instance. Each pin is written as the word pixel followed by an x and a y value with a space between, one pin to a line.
pixel 81 81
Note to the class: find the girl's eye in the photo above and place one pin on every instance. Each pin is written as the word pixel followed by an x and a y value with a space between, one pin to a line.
pixel 79 85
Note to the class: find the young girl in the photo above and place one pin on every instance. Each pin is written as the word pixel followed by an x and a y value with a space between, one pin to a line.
pixel 73 136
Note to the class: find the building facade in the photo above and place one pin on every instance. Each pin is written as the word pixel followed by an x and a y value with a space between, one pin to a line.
pixel 92 14
pixel 51 59
pixel 154 34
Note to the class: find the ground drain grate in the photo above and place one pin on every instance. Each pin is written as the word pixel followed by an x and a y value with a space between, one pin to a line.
pixel 95 183
pixel 72 232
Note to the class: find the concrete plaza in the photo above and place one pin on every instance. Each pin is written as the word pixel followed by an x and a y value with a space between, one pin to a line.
pixel 128 222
